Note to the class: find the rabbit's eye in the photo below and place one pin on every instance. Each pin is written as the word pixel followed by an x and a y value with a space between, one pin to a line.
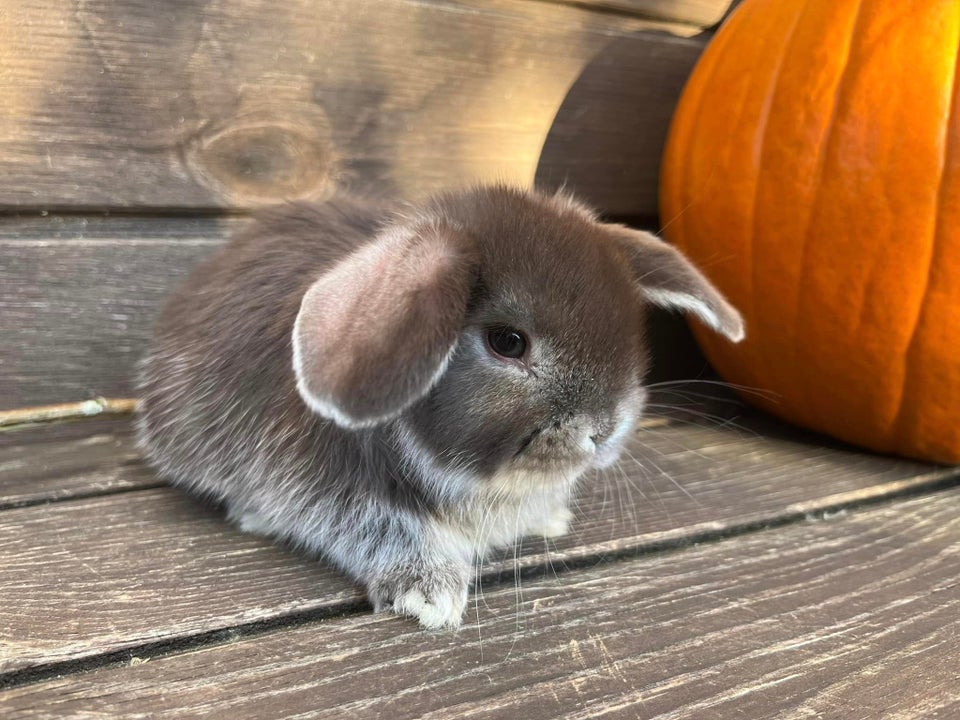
pixel 507 342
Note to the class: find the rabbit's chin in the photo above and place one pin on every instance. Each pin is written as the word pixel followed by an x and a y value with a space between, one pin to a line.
pixel 521 480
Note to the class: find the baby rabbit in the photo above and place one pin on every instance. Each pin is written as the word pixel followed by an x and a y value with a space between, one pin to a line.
pixel 400 390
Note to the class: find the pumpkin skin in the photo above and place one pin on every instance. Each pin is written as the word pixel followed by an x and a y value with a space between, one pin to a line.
pixel 812 170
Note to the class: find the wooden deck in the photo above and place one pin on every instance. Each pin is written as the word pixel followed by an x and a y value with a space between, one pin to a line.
pixel 739 570
pixel 733 570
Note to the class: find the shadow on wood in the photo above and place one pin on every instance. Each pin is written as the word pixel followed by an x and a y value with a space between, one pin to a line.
pixel 607 138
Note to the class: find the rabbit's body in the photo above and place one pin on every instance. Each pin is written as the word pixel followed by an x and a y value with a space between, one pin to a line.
pixel 329 377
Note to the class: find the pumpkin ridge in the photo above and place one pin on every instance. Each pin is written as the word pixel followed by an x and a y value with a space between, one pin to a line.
pixel 897 426
pixel 716 47
pixel 686 184
pixel 843 80
pixel 761 380
pixel 753 20
pixel 681 185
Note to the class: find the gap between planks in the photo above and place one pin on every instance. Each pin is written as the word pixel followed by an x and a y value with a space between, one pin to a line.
pixel 764 475
pixel 524 568
pixel 851 618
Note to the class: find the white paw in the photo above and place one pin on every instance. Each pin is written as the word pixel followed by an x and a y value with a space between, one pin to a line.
pixel 557 525
pixel 443 609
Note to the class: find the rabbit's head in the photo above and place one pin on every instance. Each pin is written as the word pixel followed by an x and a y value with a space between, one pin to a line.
pixel 498 332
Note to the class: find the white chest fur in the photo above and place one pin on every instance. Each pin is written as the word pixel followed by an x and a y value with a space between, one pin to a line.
pixel 508 510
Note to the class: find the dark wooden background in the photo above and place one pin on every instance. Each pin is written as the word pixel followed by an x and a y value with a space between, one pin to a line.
pixel 134 133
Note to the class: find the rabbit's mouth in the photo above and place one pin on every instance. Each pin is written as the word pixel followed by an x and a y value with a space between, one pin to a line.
pixel 561 444
pixel 525 443
pixel 578 441
pixel 551 457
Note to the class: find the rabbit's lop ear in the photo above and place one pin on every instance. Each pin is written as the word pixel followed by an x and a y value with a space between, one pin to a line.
pixel 375 332
pixel 666 278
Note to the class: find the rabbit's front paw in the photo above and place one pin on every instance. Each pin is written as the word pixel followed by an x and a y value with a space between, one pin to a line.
pixel 436 596
pixel 557 525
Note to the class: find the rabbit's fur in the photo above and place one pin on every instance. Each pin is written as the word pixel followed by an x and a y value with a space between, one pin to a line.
pixel 328 376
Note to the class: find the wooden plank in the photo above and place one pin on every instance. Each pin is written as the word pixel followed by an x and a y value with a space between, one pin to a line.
pixel 69 460
pixel 682 482
pixel 99 575
pixel 230 104
pixel 93 574
pixel 78 297
pixel 855 617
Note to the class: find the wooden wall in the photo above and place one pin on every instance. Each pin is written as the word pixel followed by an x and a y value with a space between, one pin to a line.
pixel 132 132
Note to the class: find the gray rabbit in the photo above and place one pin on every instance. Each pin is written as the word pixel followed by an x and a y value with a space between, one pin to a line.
pixel 401 389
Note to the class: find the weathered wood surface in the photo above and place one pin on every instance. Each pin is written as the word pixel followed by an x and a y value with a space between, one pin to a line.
pixel 224 104
pixel 90 576
pixel 78 297
pixel 857 617
pixel 69 460
pixel 101 574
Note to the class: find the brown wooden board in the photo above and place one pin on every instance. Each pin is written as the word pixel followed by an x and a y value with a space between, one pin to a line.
pixel 87 577
pixel 856 617
pixel 105 573
pixel 69 460
pixel 78 297
pixel 225 104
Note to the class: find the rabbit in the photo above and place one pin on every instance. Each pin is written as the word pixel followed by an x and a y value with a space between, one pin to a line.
pixel 401 388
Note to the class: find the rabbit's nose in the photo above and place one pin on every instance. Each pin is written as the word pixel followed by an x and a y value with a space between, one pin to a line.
pixel 598 437
pixel 577 431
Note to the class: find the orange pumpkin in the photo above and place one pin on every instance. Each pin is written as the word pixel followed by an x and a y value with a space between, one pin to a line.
pixel 813 171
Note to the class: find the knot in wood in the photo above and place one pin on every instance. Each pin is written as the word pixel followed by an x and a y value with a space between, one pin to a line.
pixel 265 161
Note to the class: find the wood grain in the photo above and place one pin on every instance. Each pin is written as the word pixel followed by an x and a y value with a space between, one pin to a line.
pixel 94 574
pixel 857 617
pixel 224 104
pixel 78 297
pixel 70 460
pixel 98 575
